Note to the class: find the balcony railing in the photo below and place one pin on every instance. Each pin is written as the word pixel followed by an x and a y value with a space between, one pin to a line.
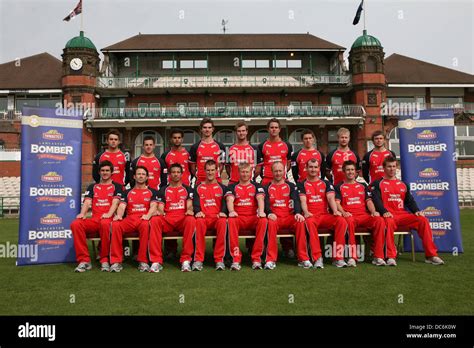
pixel 407 108
pixel 221 81
pixel 231 112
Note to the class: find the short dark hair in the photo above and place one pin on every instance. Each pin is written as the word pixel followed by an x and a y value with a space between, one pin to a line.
pixel 349 163
pixel 389 159
pixel 206 120
pixel 176 165
pixel 273 120
pixel 113 132
pixel 149 137
pixel 210 162
pixel 307 131
pixel 313 160
pixel 376 134
pixel 175 131
pixel 140 167
pixel 106 164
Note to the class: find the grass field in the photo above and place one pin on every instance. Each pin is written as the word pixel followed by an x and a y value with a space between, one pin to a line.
pixel 366 290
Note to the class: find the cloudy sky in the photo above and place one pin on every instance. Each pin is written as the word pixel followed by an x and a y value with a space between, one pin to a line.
pixel 440 32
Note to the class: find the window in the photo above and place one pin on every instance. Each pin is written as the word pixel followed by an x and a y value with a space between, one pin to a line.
pixel 190 137
pixel 262 64
pixel 279 64
pixel 294 64
pixel 259 136
pixel 371 65
pixel 3 104
pixel 442 102
pixel 336 100
pixel 394 142
pixel 142 109
pixel 248 64
pixel 158 141
pixel 226 137
pixel 333 143
pixel 464 139
pixel 295 139
pixel 200 64
pixel 44 102
pixel 169 64
pixel 186 64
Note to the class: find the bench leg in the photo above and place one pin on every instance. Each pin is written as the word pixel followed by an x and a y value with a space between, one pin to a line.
pixel 399 247
pixel 412 247
pixel 94 253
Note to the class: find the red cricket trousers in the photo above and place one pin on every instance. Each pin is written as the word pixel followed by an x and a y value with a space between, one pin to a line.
pixel 286 223
pixel 83 228
pixel 375 224
pixel 129 226
pixel 336 223
pixel 219 224
pixel 185 225
pixel 251 223
pixel 410 221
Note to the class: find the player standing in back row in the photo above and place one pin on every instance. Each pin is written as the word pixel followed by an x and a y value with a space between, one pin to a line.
pixel 337 157
pixel 302 156
pixel 372 163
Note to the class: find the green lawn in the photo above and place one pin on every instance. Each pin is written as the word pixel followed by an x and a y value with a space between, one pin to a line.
pixel 366 290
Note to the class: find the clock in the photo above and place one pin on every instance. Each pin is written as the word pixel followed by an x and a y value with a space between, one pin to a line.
pixel 76 64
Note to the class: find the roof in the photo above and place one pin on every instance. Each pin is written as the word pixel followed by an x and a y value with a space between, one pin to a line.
pixel 366 40
pixel 207 42
pixel 405 70
pixel 80 42
pixel 41 71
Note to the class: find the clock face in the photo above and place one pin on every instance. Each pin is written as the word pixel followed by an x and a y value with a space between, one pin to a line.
pixel 76 63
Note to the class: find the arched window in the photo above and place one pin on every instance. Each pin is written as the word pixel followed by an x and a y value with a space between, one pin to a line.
pixel 190 137
pixel 158 140
pixel 371 65
pixel 394 142
pixel 226 137
pixel 295 139
pixel 259 136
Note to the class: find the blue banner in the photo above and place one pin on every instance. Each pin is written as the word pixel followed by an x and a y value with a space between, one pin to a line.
pixel 428 162
pixel 51 157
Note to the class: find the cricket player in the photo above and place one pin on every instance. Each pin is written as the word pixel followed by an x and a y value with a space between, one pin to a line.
pixel 207 148
pixel 302 156
pixel 104 199
pixel 316 197
pixel 140 204
pixel 337 157
pixel 246 206
pixel 116 157
pixel 395 203
pixel 210 211
pixel 284 213
pixel 175 214
pixel 354 201
pixel 372 163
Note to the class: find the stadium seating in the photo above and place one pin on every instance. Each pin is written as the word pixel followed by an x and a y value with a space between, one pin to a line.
pixel 9 195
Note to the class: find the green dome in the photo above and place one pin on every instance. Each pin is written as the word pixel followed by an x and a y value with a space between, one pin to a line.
pixel 366 40
pixel 80 42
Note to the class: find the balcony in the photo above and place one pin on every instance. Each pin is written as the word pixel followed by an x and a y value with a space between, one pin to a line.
pixel 182 112
pixel 221 81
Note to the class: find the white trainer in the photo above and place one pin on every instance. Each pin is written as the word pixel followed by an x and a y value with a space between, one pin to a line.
pixel 391 262
pixel 305 264
pixel 186 266
pixel 435 260
pixel 82 267
pixel 270 265
pixel 319 263
pixel 378 262
pixel 351 262
pixel 339 263
pixel 155 267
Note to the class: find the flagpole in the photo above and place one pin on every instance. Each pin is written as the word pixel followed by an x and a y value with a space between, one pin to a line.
pixel 82 16
pixel 364 10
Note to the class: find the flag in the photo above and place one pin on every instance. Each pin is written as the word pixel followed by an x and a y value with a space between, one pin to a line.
pixel 77 10
pixel 359 11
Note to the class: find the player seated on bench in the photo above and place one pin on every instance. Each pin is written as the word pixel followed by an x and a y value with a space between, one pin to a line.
pixel 139 204
pixel 316 197
pixel 283 210
pixel 354 201
pixel 246 206
pixel 210 211
pixel 175 213
pixel 104 199
pixel 391 198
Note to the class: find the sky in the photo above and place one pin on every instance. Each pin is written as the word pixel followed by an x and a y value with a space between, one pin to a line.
pixel 439 32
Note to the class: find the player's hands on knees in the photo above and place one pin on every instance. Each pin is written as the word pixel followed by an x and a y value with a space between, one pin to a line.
pixel 118 218
pixel 388 215
pixel 221 214
pixel 346 214
pixel 272 217
pixel 146 217
pixel 308 215
pixel 299 217
pixel 233 214
pixel 375 213
pixel 200 215
pixel 81 216
pixel 337 213
pixel 106 216
pixel 262 214
pixel 189 212
pixel 419 213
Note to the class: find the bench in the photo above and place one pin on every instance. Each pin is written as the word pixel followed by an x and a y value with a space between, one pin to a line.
pixel 248 235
